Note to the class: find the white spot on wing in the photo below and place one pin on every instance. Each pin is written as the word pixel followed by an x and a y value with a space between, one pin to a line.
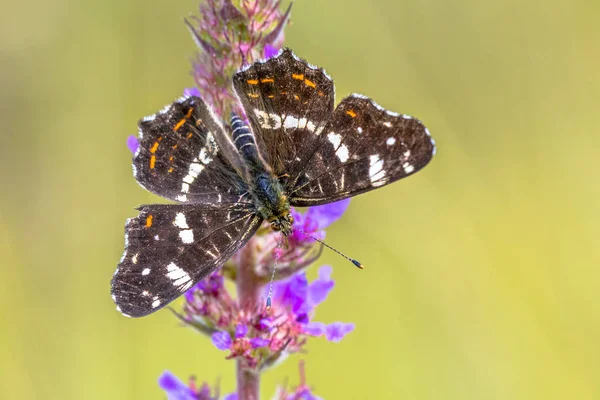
pixel 134 259
pixel 341 149
pixel 146 271
pixel 180 221
pixel 408 168
pixel 342 153
pixel 390 141
pixel 177 275
pixel 182 198
pixel 187 236
pixel 334 139
pixel 376 172
pixel 267 121
pixel 388 124
pixel 155 303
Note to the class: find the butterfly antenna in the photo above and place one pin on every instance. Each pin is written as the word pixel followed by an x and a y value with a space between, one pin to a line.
pixel 353 261
pixel 273 274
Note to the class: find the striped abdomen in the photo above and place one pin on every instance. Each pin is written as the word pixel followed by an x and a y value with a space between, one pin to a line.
pixel 244 140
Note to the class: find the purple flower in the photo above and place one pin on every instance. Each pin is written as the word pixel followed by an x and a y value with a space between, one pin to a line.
pixel 270 51
pixel 240 344
pixel 188 92
pixel 336 331
pixel 258 342
pixel 300 297
pixel 132 143
pixel 222 340
pixel 175 388
pixel 316 219
pixel 303 393
pixel 241 330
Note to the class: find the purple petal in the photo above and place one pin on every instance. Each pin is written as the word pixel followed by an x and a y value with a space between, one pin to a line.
pixel 189 294
pixel 326 214
pixel 258 342
pixel 222 340
pixel 314 328
pixel 132 143
pixel 241 330
pixel 187 92
pixel 336 331
pixel 204 392
pixel 303 318
pixel 304 394
pixel 320 288
pixel 270 51
pixel 231 396
pixel 175 388
pixel 265 324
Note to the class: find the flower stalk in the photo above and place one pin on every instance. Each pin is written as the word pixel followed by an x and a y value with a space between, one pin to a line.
pixel 249 298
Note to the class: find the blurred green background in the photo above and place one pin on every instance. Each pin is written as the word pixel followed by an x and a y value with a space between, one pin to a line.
pixel 482 271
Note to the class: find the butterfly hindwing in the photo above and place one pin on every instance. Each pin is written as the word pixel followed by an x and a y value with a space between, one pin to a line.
pixel 362 147
pixel 168 248
pixel 288 103
pixel 180 158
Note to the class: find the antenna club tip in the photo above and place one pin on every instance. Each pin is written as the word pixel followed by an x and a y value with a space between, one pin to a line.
pixel 268 303
pixel 358 264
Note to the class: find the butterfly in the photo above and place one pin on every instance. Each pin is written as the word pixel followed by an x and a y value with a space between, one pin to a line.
pixel 296 149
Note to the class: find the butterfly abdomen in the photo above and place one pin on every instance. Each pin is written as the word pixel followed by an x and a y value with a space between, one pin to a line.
pixel 244 140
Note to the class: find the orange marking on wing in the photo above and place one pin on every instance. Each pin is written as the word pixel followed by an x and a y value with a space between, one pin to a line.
pixel 189 113
pixel 154 147
pixel 310 83
pixel 351 113
pixel 149 221
pixel 174 146
pixel 283 92
pixel 189 135
pixel 171 158
pixel 152 161
pixel 253 95
pixel 296 97
pixel 198 122
pixel 252 81
pixel 159 138
pixel 170 169
pixel 179 124
pixel 270 96
pixel 266 80
pixel 321 94
pixel 298 76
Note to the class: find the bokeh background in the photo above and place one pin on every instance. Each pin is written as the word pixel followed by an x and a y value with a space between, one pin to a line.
pixel 482 270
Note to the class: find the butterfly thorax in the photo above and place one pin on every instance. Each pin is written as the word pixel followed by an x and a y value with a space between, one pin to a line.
pixel 266 190
pixel 271 202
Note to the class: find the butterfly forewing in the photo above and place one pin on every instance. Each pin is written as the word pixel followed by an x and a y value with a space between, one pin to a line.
pixel 179 156
pixel 362 147
pixel 288 103
pixel 171 247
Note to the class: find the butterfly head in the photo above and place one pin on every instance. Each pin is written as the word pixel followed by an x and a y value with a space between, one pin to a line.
pixel 283 222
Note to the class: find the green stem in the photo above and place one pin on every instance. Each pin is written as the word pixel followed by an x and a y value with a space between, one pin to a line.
pixel 249 297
